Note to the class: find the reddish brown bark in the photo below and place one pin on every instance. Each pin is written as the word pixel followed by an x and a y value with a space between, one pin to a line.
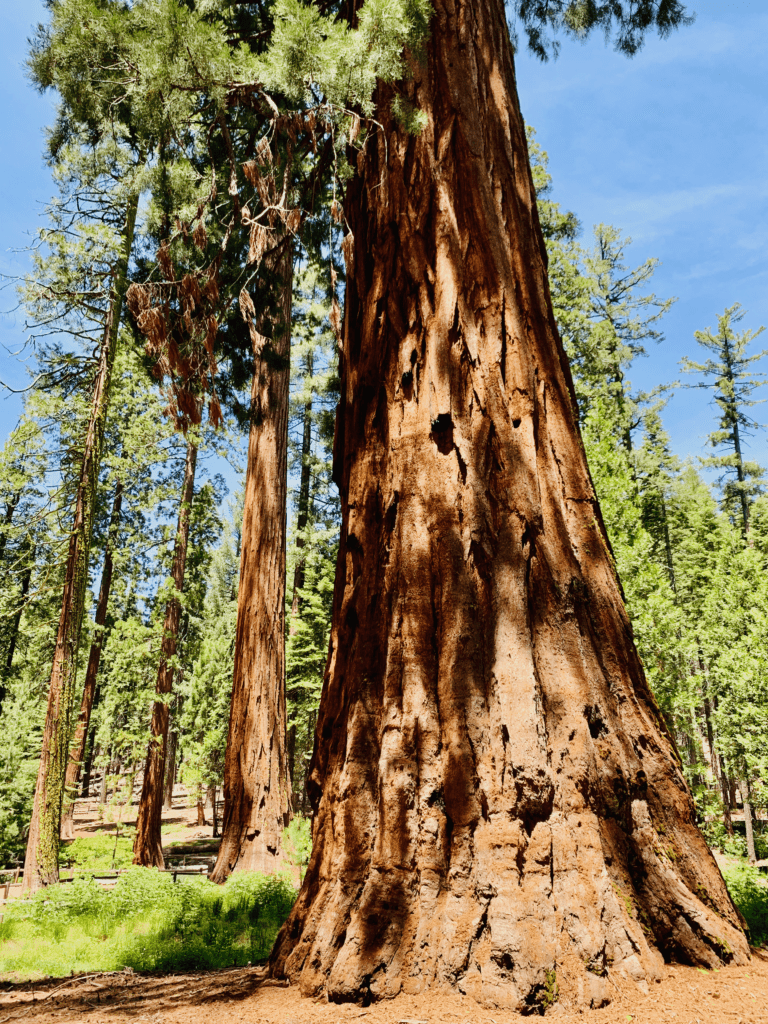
pixel 77 750
pixel 498 807
pixel 256 782
pixel 147 846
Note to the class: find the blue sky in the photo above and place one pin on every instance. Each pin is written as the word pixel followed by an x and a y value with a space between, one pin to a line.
pixel 670 146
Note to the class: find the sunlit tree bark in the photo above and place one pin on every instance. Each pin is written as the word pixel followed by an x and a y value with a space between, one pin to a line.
pixel 498 806
pixel 256 781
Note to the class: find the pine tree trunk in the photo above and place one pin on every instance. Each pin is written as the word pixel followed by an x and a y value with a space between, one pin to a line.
pixel 89 752
pixel 718 769
pixel 41 866
pixel 256 782
pixel 77 750
pixel 498 806
pixel 16 625
pixel 299 569
pixel 214 819
pixel 170 771
pixel 200 808
pixel 748 823
pixel 147 846
pixel 10 508
pixel 103 783
pixel 726 789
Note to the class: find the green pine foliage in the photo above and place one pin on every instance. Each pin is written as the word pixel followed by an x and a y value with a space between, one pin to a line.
pixel 694 589
pixel 728 373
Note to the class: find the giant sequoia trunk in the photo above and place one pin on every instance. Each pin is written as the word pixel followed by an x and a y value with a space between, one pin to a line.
pixel 41 866
pixel 147 846
pixel 256 782
pixel 498 807
pixel 77 750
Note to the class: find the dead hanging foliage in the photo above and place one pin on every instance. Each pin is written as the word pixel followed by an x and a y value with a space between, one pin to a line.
pixel 178 319
pixel 214 412
pixel 247 308
pixel 261 239
pixel 248 313
pixel 189 292
pixel 335 315
pixel 348 250
pixel 264 151
pixel 200 235
pixel 164 261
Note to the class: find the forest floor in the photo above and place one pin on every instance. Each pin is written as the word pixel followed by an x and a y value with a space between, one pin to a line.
pixel 179 824
pixel 687 995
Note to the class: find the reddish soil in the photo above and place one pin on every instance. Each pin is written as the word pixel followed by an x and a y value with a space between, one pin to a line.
pixel 733 995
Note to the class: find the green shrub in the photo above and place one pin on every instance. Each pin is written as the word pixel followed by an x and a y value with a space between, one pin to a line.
pixel 146 922
pixel 750 894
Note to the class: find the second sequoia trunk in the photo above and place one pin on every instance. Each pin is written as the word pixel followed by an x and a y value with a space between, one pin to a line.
pixel 256 782
pixel 498 806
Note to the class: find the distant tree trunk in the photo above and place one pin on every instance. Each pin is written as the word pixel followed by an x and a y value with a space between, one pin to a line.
pixel 215 820
pixel 498 806
pixel 716 763
pixel 170 770
pixel 16 625
pixel 256 781
pixel 147 846
pixel 41 866
pixel 200 808
pixel 77 750
pixel 89 752
pixel 748 823
pixel 10 508
pixel 103 784
pixel 299 569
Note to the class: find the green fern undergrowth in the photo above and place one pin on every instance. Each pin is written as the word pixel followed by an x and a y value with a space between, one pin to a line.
pixel 146 922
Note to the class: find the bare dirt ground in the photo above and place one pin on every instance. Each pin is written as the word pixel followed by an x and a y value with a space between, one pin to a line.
pixel 179 824
pixel 687 995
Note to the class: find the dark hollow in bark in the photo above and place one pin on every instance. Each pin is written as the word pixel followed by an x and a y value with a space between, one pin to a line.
pixel 77 750
pixel 256 783
pixel 147 846
pixel 498 806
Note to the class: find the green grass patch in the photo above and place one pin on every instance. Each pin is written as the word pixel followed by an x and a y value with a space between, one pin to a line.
pixel 146 922
pixel 750 894
pixel 97 853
